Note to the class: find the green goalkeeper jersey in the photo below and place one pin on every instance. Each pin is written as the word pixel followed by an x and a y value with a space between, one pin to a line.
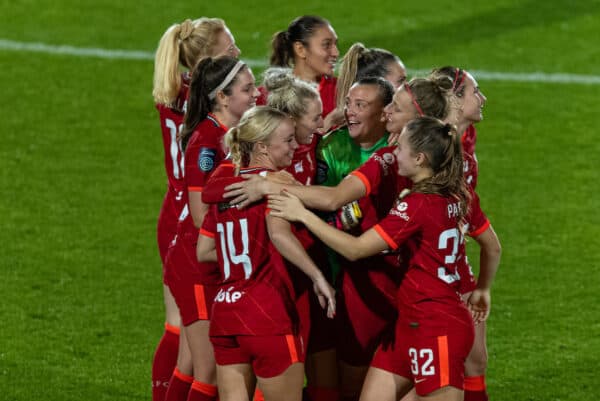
pixel 338 155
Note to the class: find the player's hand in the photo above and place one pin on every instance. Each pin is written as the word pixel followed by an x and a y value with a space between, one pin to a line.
pixel 333 119
pixel 479 303
pixel 393 139
pixel 282 177
pixel 252 189
pixel 326 295
pixel 286 206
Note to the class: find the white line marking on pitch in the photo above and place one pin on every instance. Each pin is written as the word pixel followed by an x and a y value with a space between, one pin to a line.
pixel 11 45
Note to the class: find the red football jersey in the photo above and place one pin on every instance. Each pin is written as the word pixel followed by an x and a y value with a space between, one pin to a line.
pixel 427 226
pixel 202 154
pixel 255 297
pixel 477 223
pixel 327 90
pixel 469 140
pixel 171 122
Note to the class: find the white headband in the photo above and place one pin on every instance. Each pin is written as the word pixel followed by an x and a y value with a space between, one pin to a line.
pixel 227 80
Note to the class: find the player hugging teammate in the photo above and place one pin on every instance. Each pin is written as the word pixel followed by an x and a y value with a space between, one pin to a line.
pixel 314 247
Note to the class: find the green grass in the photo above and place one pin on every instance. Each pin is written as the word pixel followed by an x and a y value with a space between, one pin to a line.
pixel 82 182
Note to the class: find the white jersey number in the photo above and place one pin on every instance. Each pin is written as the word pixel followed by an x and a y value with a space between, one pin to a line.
pixel 421 361
pixel 175 148
pixel 228 251
pixel 449 238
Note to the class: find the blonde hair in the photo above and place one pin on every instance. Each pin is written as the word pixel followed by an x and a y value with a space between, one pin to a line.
pixel 288 93
pixel 256 125
pixel 182 44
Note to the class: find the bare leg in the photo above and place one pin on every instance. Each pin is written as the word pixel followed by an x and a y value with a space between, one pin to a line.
pixel 447 393
pixel 203 357
pixel 235 382
pixel 381 385
pixel 321 369
pixel 476 362
pixel 351 380
pixel 171 310
pixel 285 387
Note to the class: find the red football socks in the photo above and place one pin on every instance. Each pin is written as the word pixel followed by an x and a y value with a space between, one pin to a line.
pixel 202 392
pixel 165 359
pixel 475 389
pixel 179 386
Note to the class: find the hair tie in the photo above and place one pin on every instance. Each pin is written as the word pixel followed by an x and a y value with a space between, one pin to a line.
pixel 213 94
pixel 185 29
pixel 448 128
pixel 457 84
pixel 413 99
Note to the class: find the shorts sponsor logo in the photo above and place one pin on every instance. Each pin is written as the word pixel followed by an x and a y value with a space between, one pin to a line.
pixel 206 159
pixel 228 296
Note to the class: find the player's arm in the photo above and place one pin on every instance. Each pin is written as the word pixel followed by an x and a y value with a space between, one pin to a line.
pixel 291 249
pixel 489 259
pixel 290 208
pixel 313 196
pixel 198 208
pixel 205 248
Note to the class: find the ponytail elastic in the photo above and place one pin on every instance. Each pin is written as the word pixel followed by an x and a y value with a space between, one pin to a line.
pixel 458 83
pixel 185 29
pixel 413 99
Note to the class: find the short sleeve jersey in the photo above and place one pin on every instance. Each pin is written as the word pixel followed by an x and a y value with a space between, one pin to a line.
pixel 255 297
pixel 204 151
pixel 171 122
pixel 427 226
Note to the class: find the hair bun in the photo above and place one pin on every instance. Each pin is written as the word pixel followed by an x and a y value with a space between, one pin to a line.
pixel 185 29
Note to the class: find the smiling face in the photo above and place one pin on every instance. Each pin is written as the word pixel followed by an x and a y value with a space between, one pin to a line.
pixel 407 160
pixel 243 95
pixel 399 112
pixel 282 144
pixel 364 111
pixel 226 45
pixel 472 101
pixel 309 122
pixel 396 73
pixel 319 56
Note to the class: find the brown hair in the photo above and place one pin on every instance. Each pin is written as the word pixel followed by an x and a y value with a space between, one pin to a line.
pixel 206 76
pixel 299 30
pixel 442 147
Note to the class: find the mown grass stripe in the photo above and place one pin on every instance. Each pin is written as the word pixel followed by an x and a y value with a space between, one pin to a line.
pixel 542 77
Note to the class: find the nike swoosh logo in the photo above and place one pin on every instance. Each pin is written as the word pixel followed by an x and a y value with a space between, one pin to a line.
pixel 417 381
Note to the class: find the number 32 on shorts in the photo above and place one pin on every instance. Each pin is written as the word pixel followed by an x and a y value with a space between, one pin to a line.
pixel 421 362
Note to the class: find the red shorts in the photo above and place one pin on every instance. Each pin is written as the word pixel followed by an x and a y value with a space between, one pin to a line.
pixel 269 356
pixel 167 223
pixel 431 352
pixel 193 292
pixel 367 313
